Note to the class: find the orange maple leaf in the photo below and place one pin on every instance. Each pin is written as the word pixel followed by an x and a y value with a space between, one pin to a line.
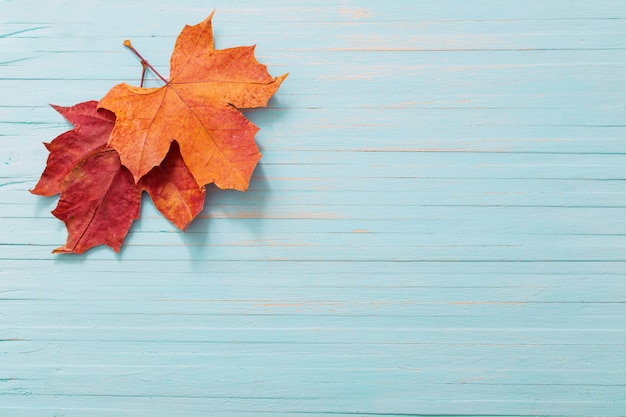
pixel 197 108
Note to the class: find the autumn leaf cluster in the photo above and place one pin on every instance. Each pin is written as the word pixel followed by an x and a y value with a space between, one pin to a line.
pixel 169 141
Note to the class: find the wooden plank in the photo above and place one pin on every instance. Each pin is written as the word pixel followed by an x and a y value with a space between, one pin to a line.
pixel 436 227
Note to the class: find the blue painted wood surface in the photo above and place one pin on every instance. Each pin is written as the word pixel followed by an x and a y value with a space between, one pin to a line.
pixel 437 226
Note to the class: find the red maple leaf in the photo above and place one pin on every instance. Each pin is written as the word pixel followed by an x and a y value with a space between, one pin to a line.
pixel 92 128
pixel 174 190
pixel 99 198
pixel 99 202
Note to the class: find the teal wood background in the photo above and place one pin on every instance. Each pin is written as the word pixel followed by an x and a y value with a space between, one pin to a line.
pixel 437 226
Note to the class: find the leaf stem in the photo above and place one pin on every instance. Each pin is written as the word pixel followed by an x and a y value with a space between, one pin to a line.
pixel 144 63
pixel 143 73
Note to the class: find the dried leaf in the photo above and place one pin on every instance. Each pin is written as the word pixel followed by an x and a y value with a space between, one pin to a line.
pixel 197 108
pixel 99 202
pixel 174 190
pixel 92 128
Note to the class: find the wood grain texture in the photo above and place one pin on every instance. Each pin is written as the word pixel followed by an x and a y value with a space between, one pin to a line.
pixel 437 225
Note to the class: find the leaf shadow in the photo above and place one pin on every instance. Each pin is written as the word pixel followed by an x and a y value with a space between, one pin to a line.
pixel 234 210
pixel 267 117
